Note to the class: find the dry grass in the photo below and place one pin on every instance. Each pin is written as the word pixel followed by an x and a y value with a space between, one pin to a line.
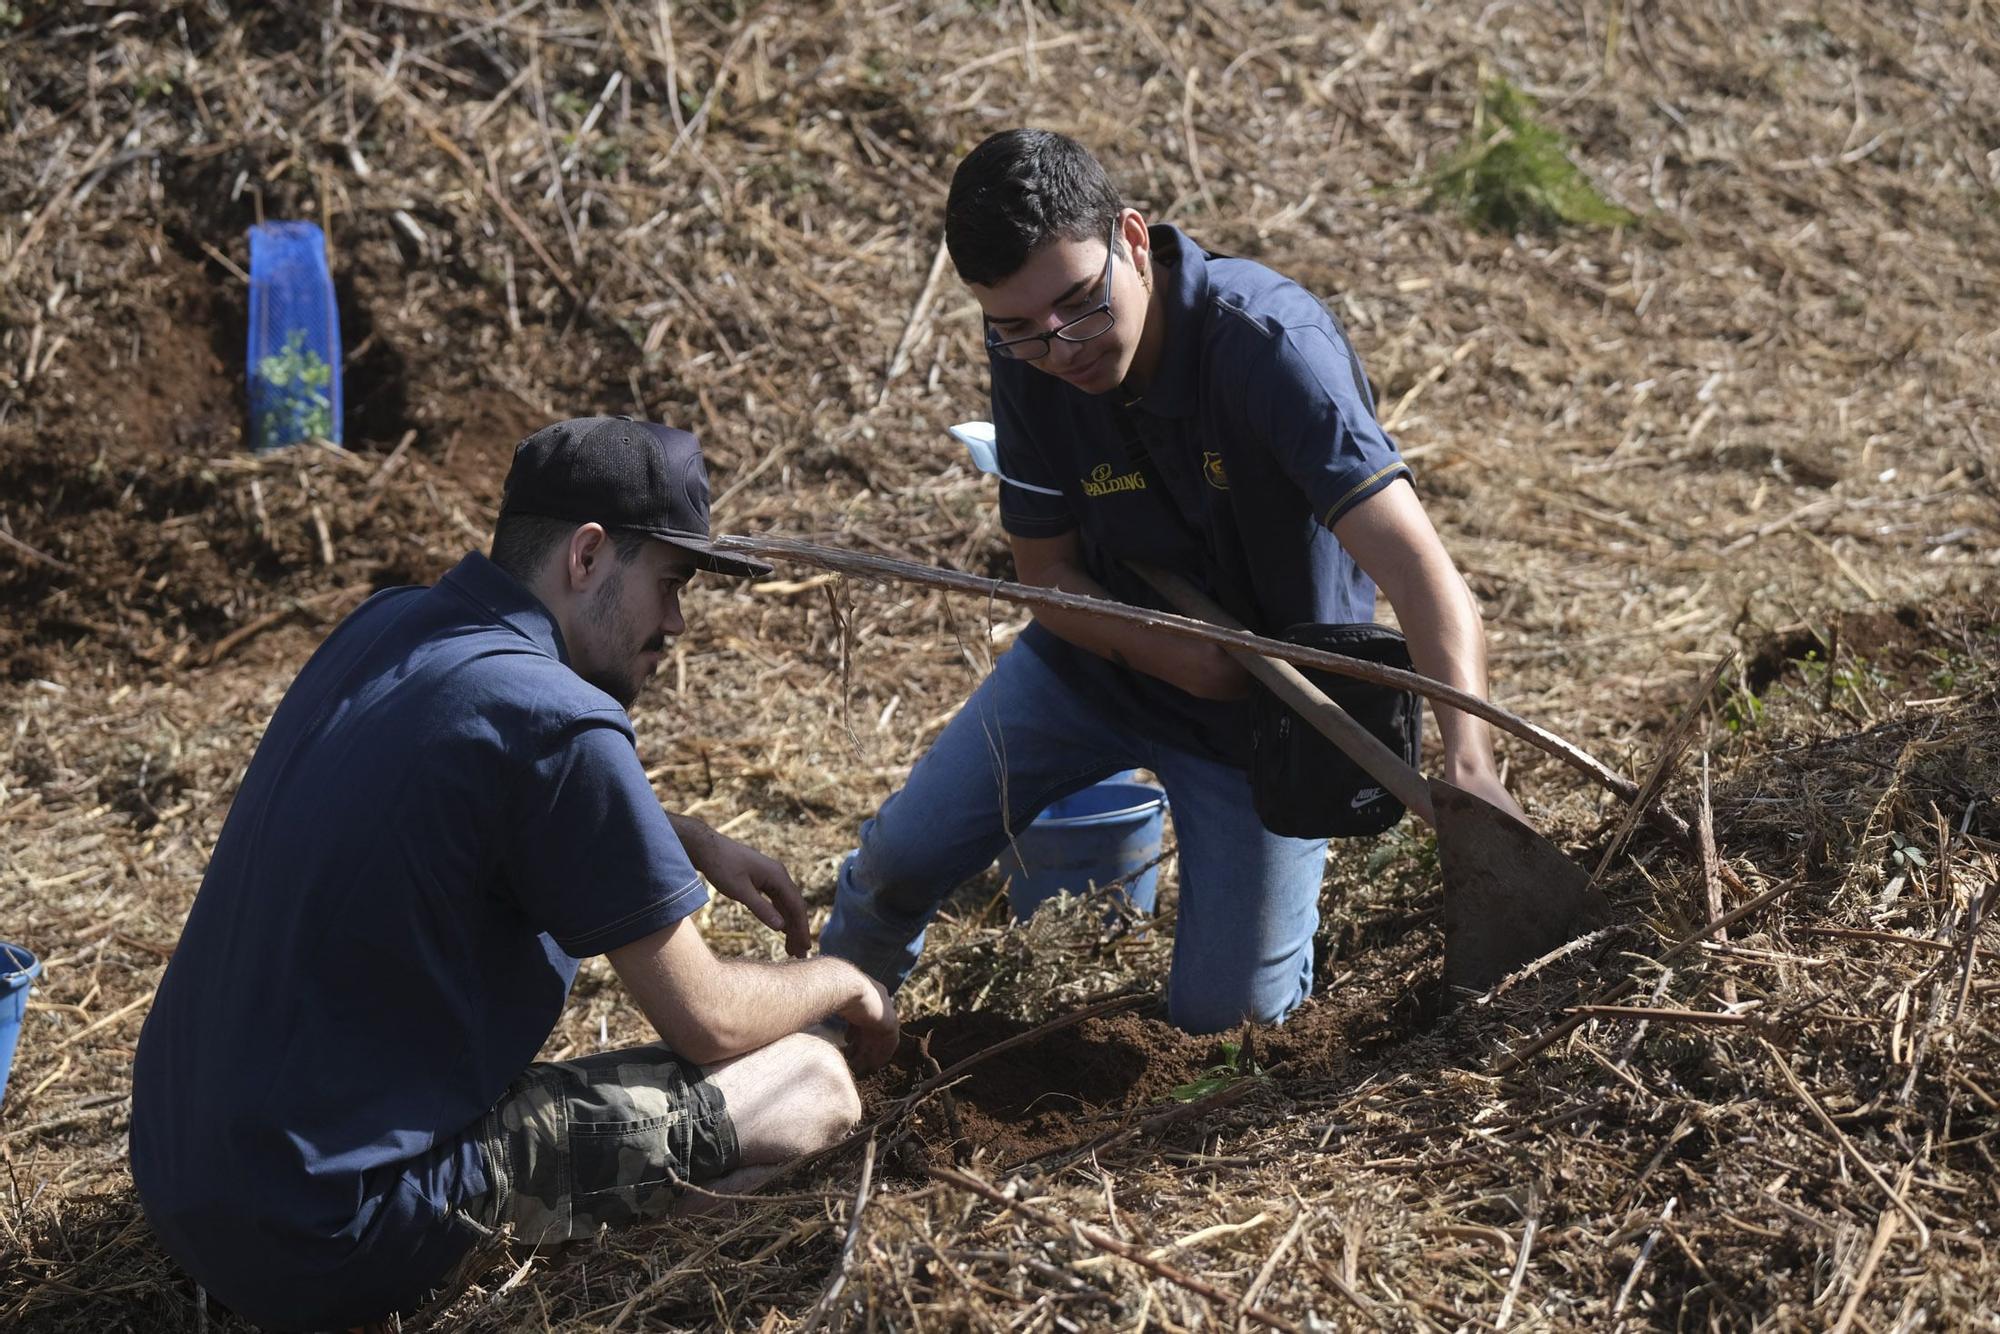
pixel 1760 422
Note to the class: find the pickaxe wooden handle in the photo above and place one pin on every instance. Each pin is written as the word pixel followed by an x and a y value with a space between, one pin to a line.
pixel 1289 684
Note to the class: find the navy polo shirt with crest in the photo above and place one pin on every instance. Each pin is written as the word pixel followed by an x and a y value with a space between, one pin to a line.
pixel 441 818
pixel 1256 434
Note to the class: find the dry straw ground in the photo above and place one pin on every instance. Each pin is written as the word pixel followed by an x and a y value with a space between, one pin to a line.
pixel 1759 422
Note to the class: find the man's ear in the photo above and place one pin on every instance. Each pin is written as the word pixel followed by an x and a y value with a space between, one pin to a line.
pixel 1132 228
pixel 585 556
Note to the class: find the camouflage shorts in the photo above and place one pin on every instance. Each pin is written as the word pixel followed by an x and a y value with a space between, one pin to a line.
pixel 604 1140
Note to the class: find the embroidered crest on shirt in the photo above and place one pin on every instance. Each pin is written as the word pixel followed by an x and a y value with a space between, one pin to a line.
pixel 1102 483
pixel 1211 469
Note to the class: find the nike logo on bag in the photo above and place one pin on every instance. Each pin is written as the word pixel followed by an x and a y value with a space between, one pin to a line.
pixel 1367 796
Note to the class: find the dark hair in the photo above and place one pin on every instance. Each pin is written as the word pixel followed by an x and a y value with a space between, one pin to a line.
pixel 1018 191
pixel 522 543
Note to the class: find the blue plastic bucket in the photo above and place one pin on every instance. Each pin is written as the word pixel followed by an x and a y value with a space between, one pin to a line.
pixel 294 353
pixel 1104 833
pixel 18 970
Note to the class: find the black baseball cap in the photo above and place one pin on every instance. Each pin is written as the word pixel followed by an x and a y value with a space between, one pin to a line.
pixel 640 476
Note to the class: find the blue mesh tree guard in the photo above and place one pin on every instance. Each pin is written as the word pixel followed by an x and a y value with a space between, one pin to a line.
pixel 294 360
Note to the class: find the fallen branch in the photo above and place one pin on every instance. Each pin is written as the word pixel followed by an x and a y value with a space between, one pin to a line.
pixel 236 638
pixel 889 569
pixel 1885 1228
pixel 1652 808
pixel 1229 1093
pixel 1104 1241
pixel 1847 1145
pixel 846 1262
pixel 12 542
pixel 1514 1060
pixel 1648 1013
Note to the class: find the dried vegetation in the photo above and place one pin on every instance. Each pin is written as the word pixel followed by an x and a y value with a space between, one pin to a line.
pixel 1759 421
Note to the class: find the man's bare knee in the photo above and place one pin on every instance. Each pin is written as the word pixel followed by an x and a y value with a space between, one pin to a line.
pixel 823 1101
pixel 792 1097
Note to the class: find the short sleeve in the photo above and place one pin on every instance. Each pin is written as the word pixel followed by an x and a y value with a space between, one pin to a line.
pixel 1025 513
pixel 593 860
pixel 1307 400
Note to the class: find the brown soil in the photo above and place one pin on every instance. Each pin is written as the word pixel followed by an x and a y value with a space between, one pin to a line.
pixel 1040 1097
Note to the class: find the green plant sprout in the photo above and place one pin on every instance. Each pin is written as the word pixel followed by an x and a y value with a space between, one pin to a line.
pixel 1234 1066
pixel 1514 174
pixel 296 405
pixel 1905 856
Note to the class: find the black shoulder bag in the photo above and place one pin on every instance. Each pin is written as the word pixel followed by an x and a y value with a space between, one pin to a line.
pixel 1304 786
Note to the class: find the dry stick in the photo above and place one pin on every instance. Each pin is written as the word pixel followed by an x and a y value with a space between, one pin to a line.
pixel 1711 868
pixel 55 201
pixel 697 124
pixel 1520 1274
pixel 1885 1227
pixel 1647 1013
pixel 1938 988
pixel 68 1119
pixel 688 1264
pixel 1513 1060
pixel 1975 913
pixel 1187 129
pixel 514 220
pixel 230 642
pixel 846 1261
pixel 892 570
pixel 1104 1241
pixel 107 1020
pixel 7 539
pixel 1885 937
pixel 1278 1253
pixel 1704 830
pixel 900 360
pixel 1345 1289
pixel 1035 1034
pixel 1672 747
pixel 1847 1146
pixel 1222 1097
pixel 1645 1251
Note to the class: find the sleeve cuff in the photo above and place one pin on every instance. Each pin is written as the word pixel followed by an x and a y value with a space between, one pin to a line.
pixel 1037 525
pixel 1363 489
pixel 655 916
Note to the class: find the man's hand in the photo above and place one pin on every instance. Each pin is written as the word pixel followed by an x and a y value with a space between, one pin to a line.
pixel 759 883
pixel 872 1029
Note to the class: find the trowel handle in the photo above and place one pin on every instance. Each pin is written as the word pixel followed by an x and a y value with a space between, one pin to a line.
pixel 1306 699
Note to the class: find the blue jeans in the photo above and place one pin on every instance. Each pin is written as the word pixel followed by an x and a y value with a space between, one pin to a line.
pixel 1249 899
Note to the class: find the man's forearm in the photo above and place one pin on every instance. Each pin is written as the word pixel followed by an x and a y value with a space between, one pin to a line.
pixel 711 1009
pixel 1448 644
pixel 1118 641
pixel 1200 669
pixel 771 1000
pixel 1391 538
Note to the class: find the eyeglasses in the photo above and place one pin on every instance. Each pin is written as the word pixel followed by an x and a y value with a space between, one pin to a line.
pixel 1093 323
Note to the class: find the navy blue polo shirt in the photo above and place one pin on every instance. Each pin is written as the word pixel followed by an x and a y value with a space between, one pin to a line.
pixel 440 820
pixel 1256 434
